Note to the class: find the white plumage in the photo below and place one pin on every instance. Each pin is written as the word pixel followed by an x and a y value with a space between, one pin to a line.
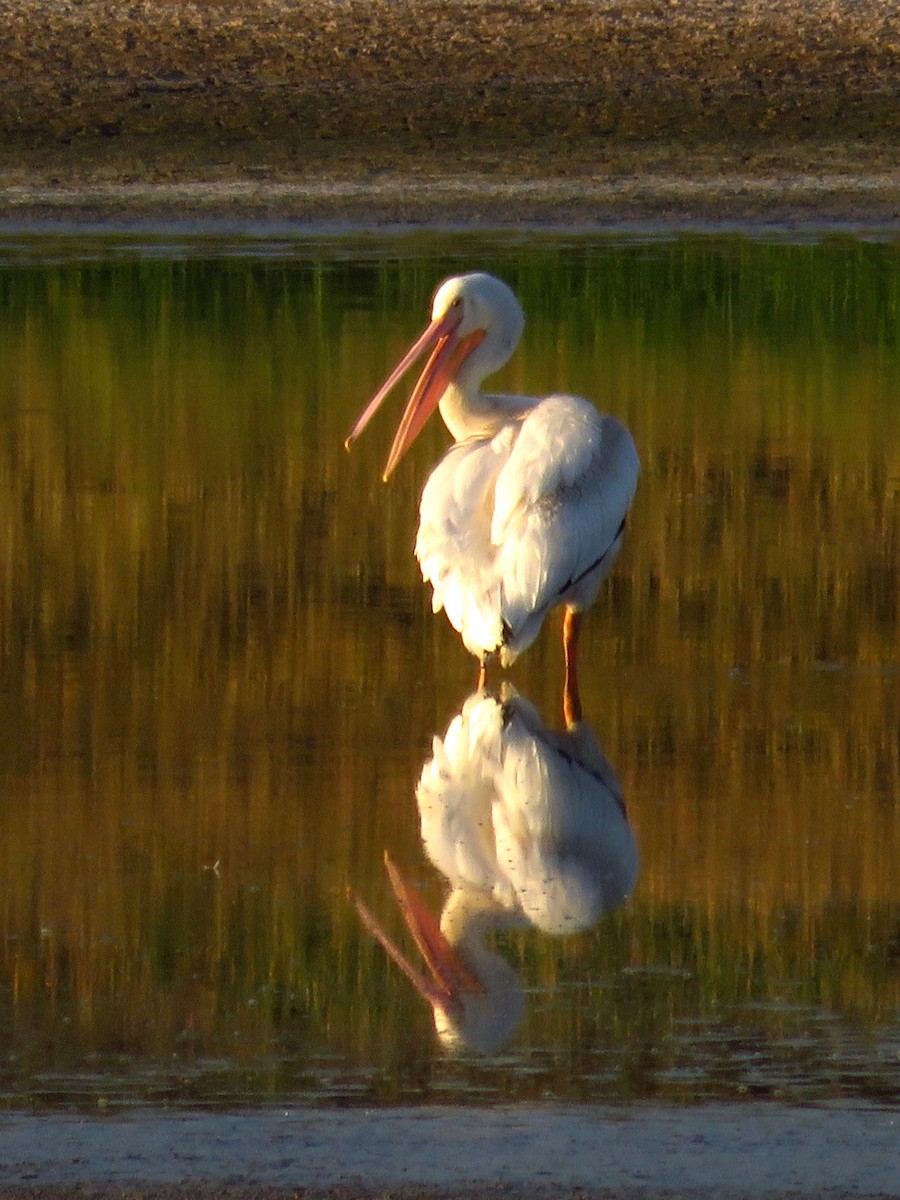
pixel 529 828
pixel 527 510
pixel 532 819
pixel 533 517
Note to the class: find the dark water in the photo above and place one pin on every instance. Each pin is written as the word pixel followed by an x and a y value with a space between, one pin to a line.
pixel 220 676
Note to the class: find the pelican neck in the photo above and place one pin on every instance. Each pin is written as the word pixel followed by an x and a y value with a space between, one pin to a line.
pixel 471 413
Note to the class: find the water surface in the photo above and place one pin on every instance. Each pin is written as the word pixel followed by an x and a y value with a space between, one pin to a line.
pixel 220 676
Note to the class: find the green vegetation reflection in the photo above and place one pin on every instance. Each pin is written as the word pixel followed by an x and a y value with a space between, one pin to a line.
pixel 220 675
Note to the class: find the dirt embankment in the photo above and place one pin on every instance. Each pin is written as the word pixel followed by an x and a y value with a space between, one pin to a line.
pixel 432 109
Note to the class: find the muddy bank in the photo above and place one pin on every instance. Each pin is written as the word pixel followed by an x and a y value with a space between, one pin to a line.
pixel 727 1152
pixel 373 111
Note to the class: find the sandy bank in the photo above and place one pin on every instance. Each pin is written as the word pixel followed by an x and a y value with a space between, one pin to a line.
pixel 728 1152
pixel 372 111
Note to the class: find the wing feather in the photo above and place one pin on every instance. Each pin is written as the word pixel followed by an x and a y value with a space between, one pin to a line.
pixel 560 501
pixel 509 526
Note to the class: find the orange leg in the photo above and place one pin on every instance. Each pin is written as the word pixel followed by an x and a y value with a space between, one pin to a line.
pixel 571 698
pixel 482 675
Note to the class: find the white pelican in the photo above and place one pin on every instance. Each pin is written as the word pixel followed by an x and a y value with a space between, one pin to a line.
pixel 527 510
pixel 529 828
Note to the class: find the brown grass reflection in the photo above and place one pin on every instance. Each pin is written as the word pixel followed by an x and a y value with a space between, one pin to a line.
pixel 219 674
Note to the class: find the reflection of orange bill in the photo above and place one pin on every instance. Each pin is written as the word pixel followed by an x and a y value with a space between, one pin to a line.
pixel 451 977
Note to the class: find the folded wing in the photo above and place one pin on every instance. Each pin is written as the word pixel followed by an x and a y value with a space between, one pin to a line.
pixel 512 526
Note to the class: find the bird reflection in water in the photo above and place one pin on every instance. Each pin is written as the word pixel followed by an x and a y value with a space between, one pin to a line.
pixel 529 827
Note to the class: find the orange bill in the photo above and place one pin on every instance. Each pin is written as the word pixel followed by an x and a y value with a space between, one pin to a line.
pixel 448 352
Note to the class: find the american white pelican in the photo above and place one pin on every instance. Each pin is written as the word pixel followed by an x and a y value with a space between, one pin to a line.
pixel 527 510
pixel 529 828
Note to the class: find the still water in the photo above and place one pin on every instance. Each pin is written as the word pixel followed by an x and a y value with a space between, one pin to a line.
pixel 220 677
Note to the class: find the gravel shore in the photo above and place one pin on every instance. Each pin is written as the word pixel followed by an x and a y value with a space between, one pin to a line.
pixel 443 111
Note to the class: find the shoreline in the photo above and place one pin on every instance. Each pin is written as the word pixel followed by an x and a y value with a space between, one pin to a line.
pixel 485 113
pixel 639 192
pixel 637 201
pixel 739 1152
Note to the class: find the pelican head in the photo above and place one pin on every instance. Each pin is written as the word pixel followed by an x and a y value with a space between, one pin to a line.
pixel 484 304
pixel 476 323
pixel 476 997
